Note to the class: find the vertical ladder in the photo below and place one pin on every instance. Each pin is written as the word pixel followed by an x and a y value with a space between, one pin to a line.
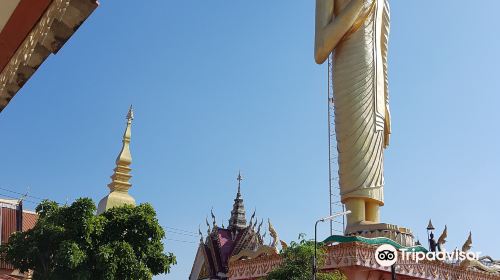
pixel 336 227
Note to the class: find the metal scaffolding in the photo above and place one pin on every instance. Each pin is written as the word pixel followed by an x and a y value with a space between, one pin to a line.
pixel 333 170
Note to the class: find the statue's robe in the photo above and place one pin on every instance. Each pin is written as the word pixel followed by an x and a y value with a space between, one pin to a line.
pixel 362 119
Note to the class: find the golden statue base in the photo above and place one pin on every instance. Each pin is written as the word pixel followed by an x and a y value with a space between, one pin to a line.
pixel 400 235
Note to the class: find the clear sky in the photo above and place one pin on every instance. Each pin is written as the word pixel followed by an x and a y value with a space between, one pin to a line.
pixel 220 86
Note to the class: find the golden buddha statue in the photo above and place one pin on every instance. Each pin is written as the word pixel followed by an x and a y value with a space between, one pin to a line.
pixel 357 33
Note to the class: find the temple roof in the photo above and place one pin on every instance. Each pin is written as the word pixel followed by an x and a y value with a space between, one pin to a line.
pixel 226 243
pixel 220 245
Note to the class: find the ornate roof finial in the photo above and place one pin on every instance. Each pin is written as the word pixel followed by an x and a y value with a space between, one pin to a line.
pixel 214 222
pixel 254 225
pixel 130 114
pixel 201 234
pixel 239 178
pixel 468 243
pixel 252 217
pixel 120 184
pixel 208 226
pixel 442 239
pixel 260 225
pixel 430 226
pixel 238 220
pixel 273 234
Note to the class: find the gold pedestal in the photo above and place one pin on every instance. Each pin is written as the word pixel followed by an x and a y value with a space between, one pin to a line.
pixel 398 234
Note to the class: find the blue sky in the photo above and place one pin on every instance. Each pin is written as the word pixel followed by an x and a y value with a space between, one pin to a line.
pixel 220 86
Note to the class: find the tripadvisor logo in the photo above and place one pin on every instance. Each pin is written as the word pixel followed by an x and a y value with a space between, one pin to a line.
pixel 387 255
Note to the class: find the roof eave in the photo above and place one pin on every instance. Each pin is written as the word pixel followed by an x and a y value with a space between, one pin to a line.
pixel 59 22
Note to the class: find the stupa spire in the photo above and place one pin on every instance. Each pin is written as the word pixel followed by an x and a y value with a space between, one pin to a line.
pixel 238 220
pixel 121 176
pixel 120 183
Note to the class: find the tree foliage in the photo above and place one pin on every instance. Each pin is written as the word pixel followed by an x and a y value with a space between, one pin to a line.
pixel 71 242
pixel 298 262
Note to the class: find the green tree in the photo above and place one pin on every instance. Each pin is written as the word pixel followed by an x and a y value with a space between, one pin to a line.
pixel 71 242
pixel 298 260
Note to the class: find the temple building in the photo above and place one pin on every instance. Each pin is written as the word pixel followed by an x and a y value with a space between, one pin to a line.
pixel 119 186
pixel 29 32
pixel 239 241
pixel 13 218
pixel 354 256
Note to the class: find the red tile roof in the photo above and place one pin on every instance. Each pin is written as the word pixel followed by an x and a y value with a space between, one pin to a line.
pixel 29 220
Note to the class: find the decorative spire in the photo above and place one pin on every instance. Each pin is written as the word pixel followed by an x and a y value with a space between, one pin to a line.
pixel 120 184
pixel 468 243
pixel 260 225
pixel 201 234
pixel 273 234
pixel 252 217
pixel 239 178
pixel 442 239
pixel 121 176
pixel 238 220
pixel 214 222
pixel 208 226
